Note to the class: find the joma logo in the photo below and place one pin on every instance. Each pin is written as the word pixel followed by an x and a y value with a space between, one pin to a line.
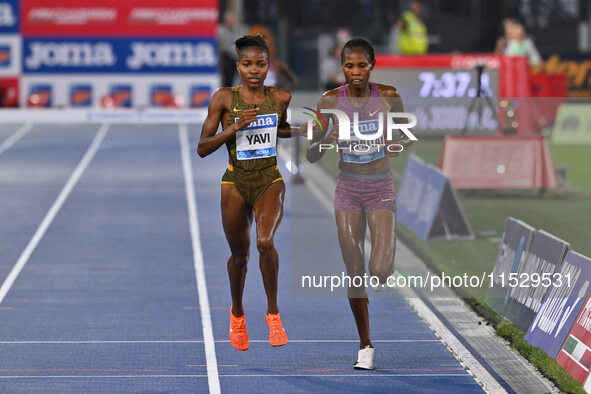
pixel 83 54
pixel 152 54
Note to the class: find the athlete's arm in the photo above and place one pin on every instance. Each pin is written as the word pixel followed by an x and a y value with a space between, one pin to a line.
pixel 209 141
pixel 321 137
pixel 283 98
pixel 393 103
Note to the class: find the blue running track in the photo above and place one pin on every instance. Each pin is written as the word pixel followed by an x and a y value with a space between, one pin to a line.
pixel 107 298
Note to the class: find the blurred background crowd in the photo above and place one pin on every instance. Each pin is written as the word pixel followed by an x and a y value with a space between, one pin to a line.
pixel 553 34
pixel 104 53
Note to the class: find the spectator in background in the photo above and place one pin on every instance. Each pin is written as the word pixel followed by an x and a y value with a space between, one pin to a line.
pixel 516 43
pixel 342 36
pixel 331 72
pixel 412 32
pixel 276 66
pixel 227 33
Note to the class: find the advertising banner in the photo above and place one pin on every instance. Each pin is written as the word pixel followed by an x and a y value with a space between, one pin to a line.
pixel 81 95
pixel 116 18
pixel 573 124
pixel 117 56
pixel 561 305
pixel 575 68
pixel 516 240
pixel 526 291
pixel 199 96
pixel 575 354
pixel 9 92
pixel 10 55
pixel 40 95
pixel 9 14
pixel 119 91
pixel 118 96
pixel 427 204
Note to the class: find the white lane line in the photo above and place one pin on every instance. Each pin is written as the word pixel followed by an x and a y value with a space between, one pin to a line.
pixel 344 340
pixel 358 375
pixel 57 205
pixel 17 135
pixel 455 346
pixel 211 361
pixel 466 358
pixel 217 340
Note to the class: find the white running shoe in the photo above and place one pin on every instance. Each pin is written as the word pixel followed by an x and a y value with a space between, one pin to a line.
pixel 364 358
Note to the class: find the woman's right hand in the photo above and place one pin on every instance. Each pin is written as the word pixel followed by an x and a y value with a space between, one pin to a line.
pixel 332 136
pixel 247 117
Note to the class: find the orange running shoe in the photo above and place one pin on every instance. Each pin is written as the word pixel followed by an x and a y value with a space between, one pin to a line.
pixel 277 335
pixel 238 335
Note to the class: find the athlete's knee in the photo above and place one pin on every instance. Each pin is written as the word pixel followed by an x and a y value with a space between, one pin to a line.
pixel 265 245
pixel 382 273
pixel 240 259
pixel 357 271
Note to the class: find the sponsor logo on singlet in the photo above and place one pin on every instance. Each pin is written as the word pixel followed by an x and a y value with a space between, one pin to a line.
pixel 356 150
pixel 258 139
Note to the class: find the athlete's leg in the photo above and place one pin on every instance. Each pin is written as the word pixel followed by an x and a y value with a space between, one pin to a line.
pixel 382 227
pixel 236 219
pixel 268 211
pixel 351 232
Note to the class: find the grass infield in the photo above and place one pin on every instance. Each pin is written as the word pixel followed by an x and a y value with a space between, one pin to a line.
pixel 565 215
pixel 546 365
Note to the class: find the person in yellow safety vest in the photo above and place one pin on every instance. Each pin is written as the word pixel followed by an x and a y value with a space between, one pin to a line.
pixel 413 39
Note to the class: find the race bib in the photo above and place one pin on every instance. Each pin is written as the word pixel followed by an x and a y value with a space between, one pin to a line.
pixel 258 139
pixel 360 151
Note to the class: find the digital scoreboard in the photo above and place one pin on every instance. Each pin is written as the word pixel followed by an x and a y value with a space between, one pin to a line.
pixel 439 90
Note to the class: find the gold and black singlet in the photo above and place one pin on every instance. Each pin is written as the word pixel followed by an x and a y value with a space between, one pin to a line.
pixel 252 150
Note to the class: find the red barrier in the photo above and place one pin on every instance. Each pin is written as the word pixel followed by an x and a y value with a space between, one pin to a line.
pixel 119 18
pixel 465 61
pixel 514 83
pixel 498 162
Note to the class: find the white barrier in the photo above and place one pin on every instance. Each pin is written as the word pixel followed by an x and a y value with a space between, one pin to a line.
pixel 151 115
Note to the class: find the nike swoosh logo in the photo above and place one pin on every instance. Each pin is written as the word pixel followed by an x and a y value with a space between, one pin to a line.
pixel 374 112
pixel 386 199
pixel 236 109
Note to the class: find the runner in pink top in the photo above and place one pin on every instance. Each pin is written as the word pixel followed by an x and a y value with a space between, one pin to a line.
pixel 365 189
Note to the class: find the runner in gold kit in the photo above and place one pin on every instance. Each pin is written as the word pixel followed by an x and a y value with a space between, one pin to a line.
pixel 252 116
